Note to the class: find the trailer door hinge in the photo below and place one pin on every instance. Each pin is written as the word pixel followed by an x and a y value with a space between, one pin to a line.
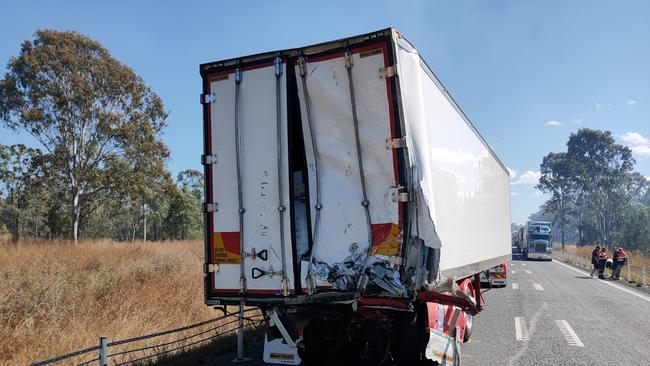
pixel 208 98
pixel 397 143
pixel 387 72
pixel 210 207
pixel 401 197
pixel 210 267
pixel 208 159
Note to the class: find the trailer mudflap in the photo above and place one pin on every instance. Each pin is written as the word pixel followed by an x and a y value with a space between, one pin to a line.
pixel 277 351
pixel 442 348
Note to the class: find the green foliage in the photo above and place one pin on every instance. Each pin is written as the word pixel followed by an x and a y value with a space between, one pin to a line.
pixel 185 219
pixel 592 186
pixel 192 180
pixel 558 180
pixel 20 171
pixel 636 228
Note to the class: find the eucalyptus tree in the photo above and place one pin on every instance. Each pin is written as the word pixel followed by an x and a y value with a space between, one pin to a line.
pixel 97 122
pixel 558 180
pixel 602 169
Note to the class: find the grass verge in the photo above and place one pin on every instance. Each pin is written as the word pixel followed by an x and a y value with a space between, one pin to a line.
pixel 57 297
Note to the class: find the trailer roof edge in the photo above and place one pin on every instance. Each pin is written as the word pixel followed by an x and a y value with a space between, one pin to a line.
pixel 292 52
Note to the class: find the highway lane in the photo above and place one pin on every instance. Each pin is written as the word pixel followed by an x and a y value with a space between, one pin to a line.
pixel 564 317
pixel 567 318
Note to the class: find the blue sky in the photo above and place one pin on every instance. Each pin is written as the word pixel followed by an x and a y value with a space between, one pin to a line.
pixel 528 73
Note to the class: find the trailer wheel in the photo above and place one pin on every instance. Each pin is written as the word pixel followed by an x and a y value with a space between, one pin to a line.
pixel 469 328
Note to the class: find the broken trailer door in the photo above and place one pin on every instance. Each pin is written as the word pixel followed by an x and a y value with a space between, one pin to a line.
pixel 246 106
pixel 340 229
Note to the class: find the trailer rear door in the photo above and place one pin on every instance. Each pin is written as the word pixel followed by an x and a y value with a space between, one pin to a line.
pixel 253 110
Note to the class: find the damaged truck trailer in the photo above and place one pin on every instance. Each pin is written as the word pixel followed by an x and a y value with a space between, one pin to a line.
pixel 349 198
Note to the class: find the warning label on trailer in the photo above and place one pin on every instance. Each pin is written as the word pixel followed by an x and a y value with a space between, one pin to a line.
pixel 385 239
pixel 226 248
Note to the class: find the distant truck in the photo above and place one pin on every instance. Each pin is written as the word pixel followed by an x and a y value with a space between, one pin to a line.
pixel 515 239
pixel 496 276
pixel 536 240
pixel 340 181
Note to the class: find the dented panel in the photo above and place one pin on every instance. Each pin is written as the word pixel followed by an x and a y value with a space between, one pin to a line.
pixel 341 245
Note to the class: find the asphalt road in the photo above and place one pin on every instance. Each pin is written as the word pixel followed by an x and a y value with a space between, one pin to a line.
pixel 551 314
pixel 555 314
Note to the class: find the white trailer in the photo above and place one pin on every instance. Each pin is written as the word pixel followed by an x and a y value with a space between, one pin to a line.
pixel 344 183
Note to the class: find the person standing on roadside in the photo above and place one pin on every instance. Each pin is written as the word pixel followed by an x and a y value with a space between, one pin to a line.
pixel 602 262
pixel 620 259
pixel 594 259
pixel 614 262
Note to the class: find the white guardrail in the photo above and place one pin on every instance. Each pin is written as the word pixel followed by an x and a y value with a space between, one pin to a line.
pixel 632 274
pixel 188 336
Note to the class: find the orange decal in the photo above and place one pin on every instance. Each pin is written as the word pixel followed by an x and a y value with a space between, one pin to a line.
pixel 226 248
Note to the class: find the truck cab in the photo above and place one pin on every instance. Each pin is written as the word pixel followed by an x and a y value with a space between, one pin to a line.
pixel 538 242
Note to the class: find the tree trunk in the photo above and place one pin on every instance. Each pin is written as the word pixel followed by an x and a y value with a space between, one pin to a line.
pixel 144 222
pixel 74 234
pixel 563 229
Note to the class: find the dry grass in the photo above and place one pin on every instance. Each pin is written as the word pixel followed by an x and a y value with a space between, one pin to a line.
pixel 58 297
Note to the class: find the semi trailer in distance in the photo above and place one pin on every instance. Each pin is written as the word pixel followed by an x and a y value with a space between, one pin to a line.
pixel 536 240
pixel 495 276
pixel 351 200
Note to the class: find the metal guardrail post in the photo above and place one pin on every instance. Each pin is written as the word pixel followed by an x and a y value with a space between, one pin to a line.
pixel 645 277
pixel 103 351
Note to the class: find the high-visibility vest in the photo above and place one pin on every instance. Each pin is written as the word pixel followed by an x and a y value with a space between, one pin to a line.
pixel 621 256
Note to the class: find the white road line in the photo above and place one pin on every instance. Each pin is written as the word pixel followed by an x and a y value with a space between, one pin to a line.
pixel 513 272
pixel 538 287
pixel 515 286
pixel 528 272
pixel 631 292
pixel 521 330
pixel 523 264
pixel 569 334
